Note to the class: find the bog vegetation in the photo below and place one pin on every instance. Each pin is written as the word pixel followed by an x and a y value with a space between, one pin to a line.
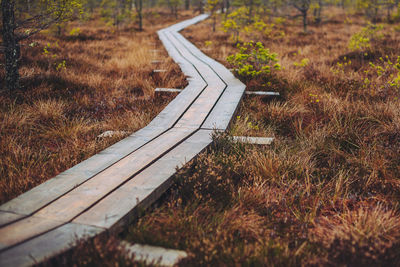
pixel 327 191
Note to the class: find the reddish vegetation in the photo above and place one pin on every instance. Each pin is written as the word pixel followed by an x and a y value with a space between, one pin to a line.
pixel 326 192
pixel 52 123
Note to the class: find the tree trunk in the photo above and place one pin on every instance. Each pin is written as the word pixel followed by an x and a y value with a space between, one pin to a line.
pixel 11 46
pixel 176 11
pixel 305 21
pixel 375 18
pixel 201 7
pixel 214 22
pixel 139 8
pixel 140 17
pixel 388 14
pixel 187 4
pixel 318 17
pixel 227 6
pixel 250 12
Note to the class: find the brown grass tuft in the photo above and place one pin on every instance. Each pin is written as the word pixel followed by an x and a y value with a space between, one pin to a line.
pixel 366 235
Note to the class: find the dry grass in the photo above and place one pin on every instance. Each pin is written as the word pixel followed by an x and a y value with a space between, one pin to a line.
pixel 326 192
pixel 53 121
pixel 363 236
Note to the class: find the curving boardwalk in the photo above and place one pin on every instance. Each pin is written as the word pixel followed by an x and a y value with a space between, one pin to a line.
pixel 108 190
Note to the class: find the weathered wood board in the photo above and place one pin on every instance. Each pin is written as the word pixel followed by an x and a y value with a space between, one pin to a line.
pixel 253 140
pixel 138 193
pixel 168 90
pixel 52 243
pixel 8 217
pixel 262 93
pixel 151 255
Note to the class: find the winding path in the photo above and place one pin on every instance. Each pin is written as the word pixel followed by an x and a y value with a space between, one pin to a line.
pixel 108 190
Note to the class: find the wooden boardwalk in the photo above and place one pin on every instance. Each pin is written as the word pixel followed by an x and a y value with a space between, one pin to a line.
pixel 108 190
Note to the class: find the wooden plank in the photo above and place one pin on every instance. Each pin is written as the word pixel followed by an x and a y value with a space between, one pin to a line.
pixel 49 191
pixel 128 145
pixel 206 72
pixel 186 66
pixel 47 245
pixel 124 204
pixel 24 229
pixel 8 217
pixel 174 110
pixel 45 193
pixel 111 133
pixel 253 140
pixel 177 106
pixel 81 198
pixel 78 200
pixel 168 90
pixel 262 93
pixel 223 72
pixel 151 255
pixel 221 115
pixel 186 23
pixel 149 132
pixel 191 147
pixel 199 111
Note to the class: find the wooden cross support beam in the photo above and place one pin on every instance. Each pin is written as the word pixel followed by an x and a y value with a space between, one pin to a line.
pixel 262 93
pixel 168 90
pixel 253 140
pixel 150 255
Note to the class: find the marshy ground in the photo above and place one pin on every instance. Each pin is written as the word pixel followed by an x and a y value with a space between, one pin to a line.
pixel 325 193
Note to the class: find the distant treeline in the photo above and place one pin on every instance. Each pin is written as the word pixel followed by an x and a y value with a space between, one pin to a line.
pixel 20 19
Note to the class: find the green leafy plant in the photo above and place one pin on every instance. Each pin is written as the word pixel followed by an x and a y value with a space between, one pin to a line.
pixel 75 31
pixel 385 70
pixel 268 29
pixel 362 39
pixel 52 56
pixel 235 23
pixel 60 66
pixel 253 60
pixel 208 43
pixel 280 21
pixel 341 65
pixel 304 62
